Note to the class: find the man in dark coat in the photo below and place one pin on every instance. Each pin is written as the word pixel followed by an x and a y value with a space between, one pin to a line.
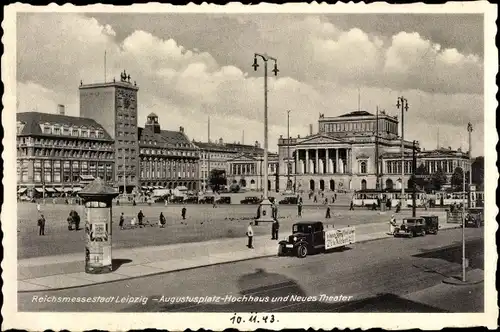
pixel 41 225
pixel 140 216
pixel 274 229
pixel 183 212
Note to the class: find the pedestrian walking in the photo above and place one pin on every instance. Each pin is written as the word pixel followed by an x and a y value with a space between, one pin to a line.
pixel 392 225
pixel 333 199
pixel 299 209
pixel 351 208
pixel 38 207
pixel 275 229
pixel 41 225
pixel 335 196
pixel 315 199
pixel 122 220
pixel 76 220
pixel 140 216
pixel 250 235
pixel 327 213
pixel 162 221
pixel 183 213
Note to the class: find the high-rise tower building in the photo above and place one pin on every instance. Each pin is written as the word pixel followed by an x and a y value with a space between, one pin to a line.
pixel 114 106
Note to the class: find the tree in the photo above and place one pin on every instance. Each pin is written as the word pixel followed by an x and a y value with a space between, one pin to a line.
pixel 478 171
pixel 457 179
pixel 422 176
pixel 217 179
pixel 438 179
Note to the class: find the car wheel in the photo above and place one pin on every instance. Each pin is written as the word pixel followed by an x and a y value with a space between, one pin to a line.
pixel 302 251
pixel 410 235
pixel 281 251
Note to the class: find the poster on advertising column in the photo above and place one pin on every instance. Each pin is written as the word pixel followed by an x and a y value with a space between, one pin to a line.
pixel 98 235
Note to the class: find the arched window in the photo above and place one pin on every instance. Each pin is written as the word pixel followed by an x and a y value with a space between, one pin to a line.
pixel 363 184
pixel 362 167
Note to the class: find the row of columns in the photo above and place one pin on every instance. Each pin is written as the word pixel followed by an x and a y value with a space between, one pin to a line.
pixel 341 164
pixel 243 169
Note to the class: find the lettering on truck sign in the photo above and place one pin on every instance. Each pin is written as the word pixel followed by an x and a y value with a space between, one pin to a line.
pixel 339 237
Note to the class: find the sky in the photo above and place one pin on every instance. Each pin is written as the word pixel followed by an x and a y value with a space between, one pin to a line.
pixel 192 66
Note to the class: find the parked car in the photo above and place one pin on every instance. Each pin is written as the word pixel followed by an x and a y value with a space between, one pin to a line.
pixel 191 199
pixel 311 236
pixel 431 224
pixel 250 200
pixel 206 200
pixel 177 199
pixel 224 200
pixel 289 200
pixel 474 217
pixel 411 227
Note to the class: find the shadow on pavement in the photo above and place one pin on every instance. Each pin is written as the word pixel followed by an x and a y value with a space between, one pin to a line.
pixel 473 251
pixel 118 262
pixel 273 292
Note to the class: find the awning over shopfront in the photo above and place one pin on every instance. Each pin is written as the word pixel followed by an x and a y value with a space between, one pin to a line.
pixel 144 187
pixel 67 190
pixel 40 190
pixel 50 190
pixel 75 189
pixel 21 190
pixel 59 189
pixel 150 187
pixel 87 177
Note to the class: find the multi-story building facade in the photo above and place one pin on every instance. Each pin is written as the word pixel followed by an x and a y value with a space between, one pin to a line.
pixel 114 106
pixel 59 154
pixel 247 170
pixel 345 152
pixel 167 158
pixel 213 156
pixel 445 159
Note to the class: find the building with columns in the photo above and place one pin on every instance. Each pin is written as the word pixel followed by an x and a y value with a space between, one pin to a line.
pixel 345 152
pixel 168 159
pixel 343 155
pixel 247 170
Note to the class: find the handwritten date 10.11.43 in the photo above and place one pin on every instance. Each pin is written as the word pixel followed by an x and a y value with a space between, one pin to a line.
pixel 253 317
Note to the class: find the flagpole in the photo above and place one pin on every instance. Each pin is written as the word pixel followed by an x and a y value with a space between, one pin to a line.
pixel 104 66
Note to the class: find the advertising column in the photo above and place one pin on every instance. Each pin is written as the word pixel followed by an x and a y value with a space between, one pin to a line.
pixel 97 199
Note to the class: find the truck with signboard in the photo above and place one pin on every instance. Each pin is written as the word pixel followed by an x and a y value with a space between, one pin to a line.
pixel 312 236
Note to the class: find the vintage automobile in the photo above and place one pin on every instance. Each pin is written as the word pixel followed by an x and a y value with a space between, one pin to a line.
pixel 311 236
pixel 289 200
pixel 411 227
pixel 224 200
pixel 431 224
pixel 191 199
pixel 206 200
pixel 250 200
pixel 177 199
pixel 474 217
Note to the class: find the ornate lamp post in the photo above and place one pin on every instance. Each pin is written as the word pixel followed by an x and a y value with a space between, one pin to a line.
pixel 265 206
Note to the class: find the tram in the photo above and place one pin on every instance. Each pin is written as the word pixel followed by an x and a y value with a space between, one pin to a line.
pixel 450 198
pixel 369 196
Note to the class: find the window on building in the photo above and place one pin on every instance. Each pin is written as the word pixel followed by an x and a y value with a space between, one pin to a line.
pixel 47 130
pixel 388 167
pixel 362 167
pixel 75 132
pixel 85 133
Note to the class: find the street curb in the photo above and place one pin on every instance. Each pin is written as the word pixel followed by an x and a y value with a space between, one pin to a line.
pixel 180 269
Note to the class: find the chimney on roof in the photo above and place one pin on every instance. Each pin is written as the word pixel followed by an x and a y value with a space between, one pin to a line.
pixel 310 129
pixel 60 109
pixel 181 129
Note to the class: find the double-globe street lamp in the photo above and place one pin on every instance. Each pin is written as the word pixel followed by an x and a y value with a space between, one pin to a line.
pixel 265 206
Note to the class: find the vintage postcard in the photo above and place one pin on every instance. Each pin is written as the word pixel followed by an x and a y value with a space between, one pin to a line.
pixel 266 166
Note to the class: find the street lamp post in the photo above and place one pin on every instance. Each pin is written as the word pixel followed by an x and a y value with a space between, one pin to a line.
pixel 288 183
pixel 469 200
pixel 403 103
pixel 265 206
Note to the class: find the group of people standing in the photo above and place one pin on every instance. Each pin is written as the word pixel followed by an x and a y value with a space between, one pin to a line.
pixel 140 221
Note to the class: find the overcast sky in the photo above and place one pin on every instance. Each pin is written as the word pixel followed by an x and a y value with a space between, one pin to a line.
pixel 189 66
